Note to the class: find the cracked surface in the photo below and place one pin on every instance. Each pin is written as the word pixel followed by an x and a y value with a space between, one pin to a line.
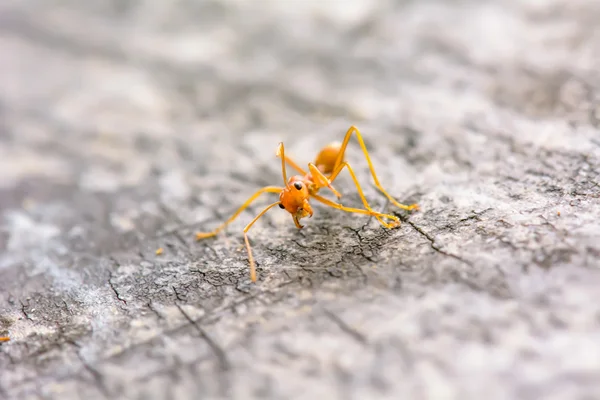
pixel 127 126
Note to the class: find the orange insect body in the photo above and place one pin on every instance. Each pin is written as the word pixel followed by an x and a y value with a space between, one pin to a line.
pixel 299 189
pixel 325 160
pixel 294 197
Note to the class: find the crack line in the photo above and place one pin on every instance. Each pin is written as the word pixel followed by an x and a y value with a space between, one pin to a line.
pixel 218 351
pixel 356 335
pixel 96 375
pixel 25 313
pixel 114 289
pixel 435 246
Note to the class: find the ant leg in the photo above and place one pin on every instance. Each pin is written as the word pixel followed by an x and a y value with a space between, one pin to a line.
pixel 395 220
pixel 356 183
pixel 4 338
pixel 321 180
pixel 267 189
pixel 339 160
pixel 250 258
pixel 285 159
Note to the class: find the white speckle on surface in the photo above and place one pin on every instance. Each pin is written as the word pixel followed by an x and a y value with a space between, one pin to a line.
pixel 25 233
pixel 21 328
pixel 19 164
pixel 102 179
pixel 122 223
pixel 99 179
pixel 174 186
pixel 64 279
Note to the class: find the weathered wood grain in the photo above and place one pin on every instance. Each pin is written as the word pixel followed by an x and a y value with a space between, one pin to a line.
pixel 128 125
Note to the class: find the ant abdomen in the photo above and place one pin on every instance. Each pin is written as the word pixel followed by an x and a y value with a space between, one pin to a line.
pixel 325 160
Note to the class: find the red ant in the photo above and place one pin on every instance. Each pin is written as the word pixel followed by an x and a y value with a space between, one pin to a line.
pixel 299 189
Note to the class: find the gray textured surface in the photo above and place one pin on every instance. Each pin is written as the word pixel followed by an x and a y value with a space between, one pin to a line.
pixel 128 125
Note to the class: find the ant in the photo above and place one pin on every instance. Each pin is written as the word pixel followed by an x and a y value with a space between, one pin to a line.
pixel 299 189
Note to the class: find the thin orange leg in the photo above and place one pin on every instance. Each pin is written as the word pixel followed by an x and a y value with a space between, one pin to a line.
pixel 395 220
pixel 250 258
pixel 4 338
pixel 285 159
pixel 281 154
pixel 321 180
pixel 340 158
pixel 356 183
pixel 266 189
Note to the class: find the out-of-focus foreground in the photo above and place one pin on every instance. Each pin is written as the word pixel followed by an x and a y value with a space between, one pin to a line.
pixel 128 125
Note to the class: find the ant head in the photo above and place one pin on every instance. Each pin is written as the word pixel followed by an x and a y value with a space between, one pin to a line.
pixel 294 199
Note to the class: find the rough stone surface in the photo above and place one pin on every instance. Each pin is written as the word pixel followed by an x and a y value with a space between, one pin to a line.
pixel 128 125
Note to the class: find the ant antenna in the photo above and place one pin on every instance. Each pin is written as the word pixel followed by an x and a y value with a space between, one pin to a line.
pixel 281 154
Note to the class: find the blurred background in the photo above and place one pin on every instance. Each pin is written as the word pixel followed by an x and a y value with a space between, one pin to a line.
pixel 127 125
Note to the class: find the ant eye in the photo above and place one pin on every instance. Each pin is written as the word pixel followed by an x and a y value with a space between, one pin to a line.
pixel 298 185
pixel 281 206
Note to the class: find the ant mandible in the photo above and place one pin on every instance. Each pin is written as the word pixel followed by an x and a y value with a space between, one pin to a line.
pixel 299 189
